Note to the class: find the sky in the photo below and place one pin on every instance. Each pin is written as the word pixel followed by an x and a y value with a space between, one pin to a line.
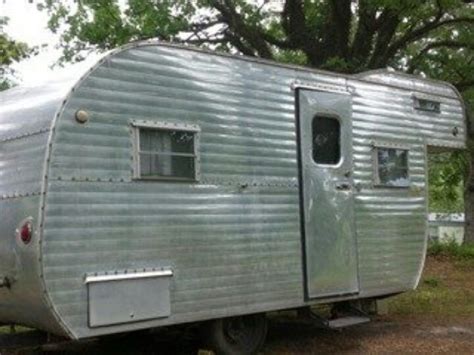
pixel 28 25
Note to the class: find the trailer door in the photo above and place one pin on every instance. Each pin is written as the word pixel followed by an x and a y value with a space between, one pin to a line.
pixel 325 140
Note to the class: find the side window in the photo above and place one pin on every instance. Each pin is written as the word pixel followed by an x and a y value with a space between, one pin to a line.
pixel 426 105
pixel 391 167
pixel 166 153
pixel 326 140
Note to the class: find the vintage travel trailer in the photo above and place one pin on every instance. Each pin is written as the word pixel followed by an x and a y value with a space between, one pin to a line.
pixel 172 185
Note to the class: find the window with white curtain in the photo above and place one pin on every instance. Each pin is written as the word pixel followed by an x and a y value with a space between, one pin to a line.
pixel 167 152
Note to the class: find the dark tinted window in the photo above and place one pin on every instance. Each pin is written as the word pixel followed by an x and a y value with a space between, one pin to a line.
pixel 427 105
pixel 326 140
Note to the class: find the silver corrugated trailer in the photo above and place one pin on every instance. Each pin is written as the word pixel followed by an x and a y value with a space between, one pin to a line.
pixel 172 185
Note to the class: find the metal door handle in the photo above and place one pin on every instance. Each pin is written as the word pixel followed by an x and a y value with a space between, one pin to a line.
pixel 343 186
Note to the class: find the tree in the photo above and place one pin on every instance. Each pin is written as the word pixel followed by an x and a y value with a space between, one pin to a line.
pixel 434 38
pixel 469 182
pixel 341 35
pixel 447 172
pixel 10 51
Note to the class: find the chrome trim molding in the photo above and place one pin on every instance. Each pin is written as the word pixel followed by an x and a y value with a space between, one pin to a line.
pixel 128 276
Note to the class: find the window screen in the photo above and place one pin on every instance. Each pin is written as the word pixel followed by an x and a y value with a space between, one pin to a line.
pixel 392 167
pixel 326 140
pixel 166 154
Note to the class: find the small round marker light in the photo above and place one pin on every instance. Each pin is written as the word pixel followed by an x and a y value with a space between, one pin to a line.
pixel 26 232
pixel 82 116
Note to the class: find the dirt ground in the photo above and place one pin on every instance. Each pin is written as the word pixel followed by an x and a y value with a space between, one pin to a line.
pixel 436 318
pixel 385 335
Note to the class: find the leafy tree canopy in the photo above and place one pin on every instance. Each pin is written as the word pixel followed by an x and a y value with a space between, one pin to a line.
pixel 10 51
pixel 447 173
pixel 433 37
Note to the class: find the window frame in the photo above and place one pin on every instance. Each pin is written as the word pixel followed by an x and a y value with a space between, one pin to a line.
pixel 339 121
pixel 137 125
pixel 419 99
pixel 376 177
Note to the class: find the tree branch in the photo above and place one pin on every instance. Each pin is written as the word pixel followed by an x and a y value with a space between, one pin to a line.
pixel 420 32
pixel 283 44
pixel 464 85
pixel 338 26
pixel 239 44
pixel 198 30
pixel 433 45
pixel 387 25
pixel 366 27
pixel 294 24
pixel 236 24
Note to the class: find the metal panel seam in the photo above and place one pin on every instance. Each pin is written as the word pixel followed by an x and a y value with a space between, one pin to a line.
pixel 44 191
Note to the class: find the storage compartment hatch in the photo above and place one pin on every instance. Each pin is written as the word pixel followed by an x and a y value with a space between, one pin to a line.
pixel 118 298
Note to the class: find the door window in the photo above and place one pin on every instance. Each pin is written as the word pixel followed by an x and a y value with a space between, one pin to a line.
pixel 326 140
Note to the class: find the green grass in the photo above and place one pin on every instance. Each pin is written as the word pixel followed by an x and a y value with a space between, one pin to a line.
pixel 435 301
pixel 452 249
pixel 432 282
pixel 18 329
pixel 446 288
pixel 4 330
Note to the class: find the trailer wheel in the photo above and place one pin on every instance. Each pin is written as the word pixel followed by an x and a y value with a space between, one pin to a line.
pixel 236 335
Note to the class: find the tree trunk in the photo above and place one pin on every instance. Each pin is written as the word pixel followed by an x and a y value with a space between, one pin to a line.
pixel 469 191
pixel 469 211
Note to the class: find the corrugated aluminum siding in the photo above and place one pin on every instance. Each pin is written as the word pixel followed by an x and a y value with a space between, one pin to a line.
pixel 233 239
pixel 26 115
pixel 391 222
pixel 25 120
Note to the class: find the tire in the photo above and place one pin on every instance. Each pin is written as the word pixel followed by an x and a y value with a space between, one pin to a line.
pixel 241 335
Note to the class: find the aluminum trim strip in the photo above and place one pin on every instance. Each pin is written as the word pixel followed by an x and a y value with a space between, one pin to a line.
pixel 297 85
pixel 166 125
pixel 131 276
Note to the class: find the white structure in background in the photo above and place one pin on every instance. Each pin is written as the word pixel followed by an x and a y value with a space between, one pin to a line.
pixel 445 227
pixel 275 6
